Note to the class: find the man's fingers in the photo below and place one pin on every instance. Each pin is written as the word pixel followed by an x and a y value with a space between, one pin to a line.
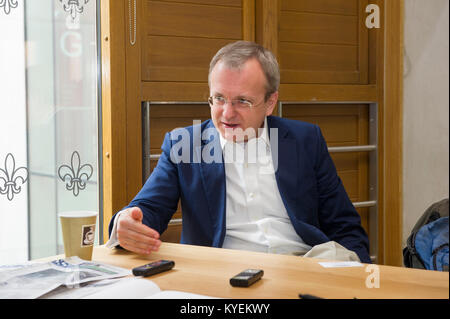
pixel 135 222
pixel 136 213
pixel 133 235
pixel 138 237
pixel 137 246
pixel 138 227
pixel 132 247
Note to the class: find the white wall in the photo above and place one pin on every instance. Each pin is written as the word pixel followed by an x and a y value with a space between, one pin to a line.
pixel 426 108
pixel 13 137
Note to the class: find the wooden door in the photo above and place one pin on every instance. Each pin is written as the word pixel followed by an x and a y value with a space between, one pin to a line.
pixel 332 69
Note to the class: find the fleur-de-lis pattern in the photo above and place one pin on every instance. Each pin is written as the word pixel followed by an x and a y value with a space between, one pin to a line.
pixel 12 179
pixel 73 6
pixel 76 175
pixel 7 5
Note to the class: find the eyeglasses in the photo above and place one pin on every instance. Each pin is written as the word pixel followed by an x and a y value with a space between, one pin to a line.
pixel 242 104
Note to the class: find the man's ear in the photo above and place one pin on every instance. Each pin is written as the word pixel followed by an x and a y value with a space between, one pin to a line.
pixel 271 103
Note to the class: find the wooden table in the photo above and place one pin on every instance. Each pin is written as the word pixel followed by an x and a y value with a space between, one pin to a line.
pixel 206 271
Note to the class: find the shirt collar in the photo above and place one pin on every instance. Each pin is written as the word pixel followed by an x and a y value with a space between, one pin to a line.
pixel 263 136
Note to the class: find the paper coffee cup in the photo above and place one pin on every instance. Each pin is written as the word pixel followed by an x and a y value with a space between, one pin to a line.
pixel 78 230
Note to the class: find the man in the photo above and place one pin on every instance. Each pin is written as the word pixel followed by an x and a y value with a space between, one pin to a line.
pixel 246 179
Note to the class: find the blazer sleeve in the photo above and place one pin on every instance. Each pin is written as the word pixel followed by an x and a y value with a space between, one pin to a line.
pixel 338 218
pixel 158 198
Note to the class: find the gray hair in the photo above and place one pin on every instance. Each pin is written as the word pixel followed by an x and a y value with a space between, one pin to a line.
pixel 235 54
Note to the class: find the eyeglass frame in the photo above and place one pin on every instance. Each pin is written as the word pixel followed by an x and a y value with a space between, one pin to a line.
pixel 233 102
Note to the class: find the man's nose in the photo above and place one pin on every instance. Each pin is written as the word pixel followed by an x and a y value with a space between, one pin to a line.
pixel 228 110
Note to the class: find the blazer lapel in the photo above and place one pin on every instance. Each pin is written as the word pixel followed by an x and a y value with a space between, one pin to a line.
pixel 284 155
pixel 213 177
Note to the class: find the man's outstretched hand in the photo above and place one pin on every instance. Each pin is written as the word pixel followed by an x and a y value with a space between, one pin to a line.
pixel 133 235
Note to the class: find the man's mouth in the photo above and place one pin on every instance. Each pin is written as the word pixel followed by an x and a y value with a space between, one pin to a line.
pixel 230 125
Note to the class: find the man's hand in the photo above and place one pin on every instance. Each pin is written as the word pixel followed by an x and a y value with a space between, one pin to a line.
pixel 133 235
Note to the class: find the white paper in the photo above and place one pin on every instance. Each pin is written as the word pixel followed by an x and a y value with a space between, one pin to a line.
pixel 127 288
pixel 82 291
pixel 140 288
pixel 32 280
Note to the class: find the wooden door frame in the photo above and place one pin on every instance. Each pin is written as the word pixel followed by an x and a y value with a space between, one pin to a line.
pixel 390 92
pixel 114 130
pixel 121 114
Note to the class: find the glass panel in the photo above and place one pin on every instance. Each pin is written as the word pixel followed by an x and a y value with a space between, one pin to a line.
pixel 50 122
pixel 62 116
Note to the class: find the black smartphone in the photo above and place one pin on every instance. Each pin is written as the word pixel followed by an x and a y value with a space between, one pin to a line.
pixel 246 278
pixel 153 268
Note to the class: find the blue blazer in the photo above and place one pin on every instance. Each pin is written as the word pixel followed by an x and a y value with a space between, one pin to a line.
pixel 315 199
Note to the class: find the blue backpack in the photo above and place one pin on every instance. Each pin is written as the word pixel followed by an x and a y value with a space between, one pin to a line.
pixel 427 246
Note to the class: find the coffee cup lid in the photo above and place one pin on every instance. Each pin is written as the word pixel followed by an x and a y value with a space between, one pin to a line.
pixel 78 213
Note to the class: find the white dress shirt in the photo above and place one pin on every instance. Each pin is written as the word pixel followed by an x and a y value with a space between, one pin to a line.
pixel 256 218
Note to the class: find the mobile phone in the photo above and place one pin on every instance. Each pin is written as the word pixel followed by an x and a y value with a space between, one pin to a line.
pixel 153 268
pixel 246 278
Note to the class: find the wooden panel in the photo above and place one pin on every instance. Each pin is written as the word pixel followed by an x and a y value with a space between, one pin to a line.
pixel 318 28
pixel 172 234
pixel 325 77
pixel 320 43
pixel 267 16
pixel 312 57
pixel 175 91
pixel 190 20
pixel 248 20
pixel 341 7
pixel 182 37
pixel 179 59
pixel 164 118
pixel 229 3
pixel 328 93
pixel 342 125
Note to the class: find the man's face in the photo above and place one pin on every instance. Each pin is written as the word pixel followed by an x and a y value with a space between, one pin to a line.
pixel 249 83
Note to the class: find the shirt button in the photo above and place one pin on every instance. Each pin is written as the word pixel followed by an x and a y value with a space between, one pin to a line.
pixel 251 195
